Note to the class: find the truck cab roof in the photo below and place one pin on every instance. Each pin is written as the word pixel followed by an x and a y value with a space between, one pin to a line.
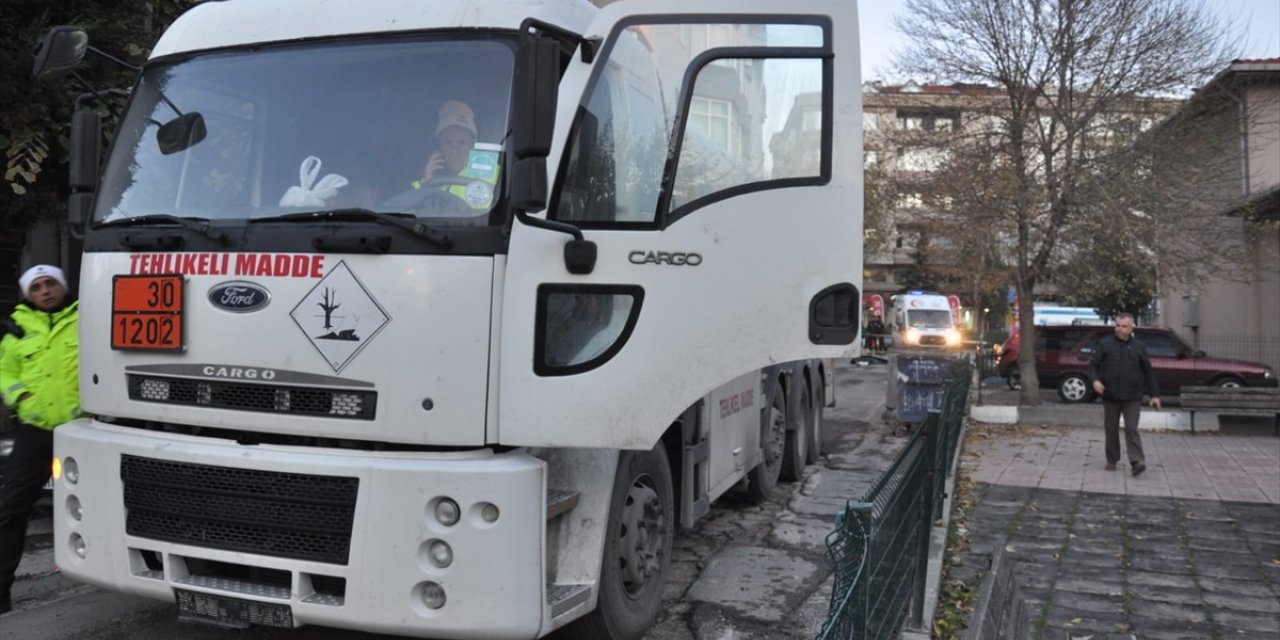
pixel 231 23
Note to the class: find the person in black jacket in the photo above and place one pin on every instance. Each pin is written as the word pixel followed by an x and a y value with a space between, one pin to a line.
pixel 1120 372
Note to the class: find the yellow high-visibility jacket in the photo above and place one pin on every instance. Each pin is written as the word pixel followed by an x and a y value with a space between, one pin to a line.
pixel 44 365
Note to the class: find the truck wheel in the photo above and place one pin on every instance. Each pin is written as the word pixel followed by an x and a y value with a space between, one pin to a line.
pixel 814 419
pixel 637 549
pixel 796 449
pixel 773 434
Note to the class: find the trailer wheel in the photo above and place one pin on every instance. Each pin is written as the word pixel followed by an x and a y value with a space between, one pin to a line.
pixel 773 433
pixel 637 549
pixel 814 418
pixel 796 449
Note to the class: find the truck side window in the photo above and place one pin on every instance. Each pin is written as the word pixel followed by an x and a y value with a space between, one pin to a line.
pixel 614 168
pixel 734 136
pixel 678 113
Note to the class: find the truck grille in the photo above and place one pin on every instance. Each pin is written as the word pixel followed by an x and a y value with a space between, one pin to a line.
pixel 934 340
pixel 301 401
pixel 287 515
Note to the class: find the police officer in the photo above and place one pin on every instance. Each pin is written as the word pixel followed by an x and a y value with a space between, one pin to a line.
pixel 40 381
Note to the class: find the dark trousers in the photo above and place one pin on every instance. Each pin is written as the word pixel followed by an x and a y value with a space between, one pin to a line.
pixel 24 474
pixel 1111 420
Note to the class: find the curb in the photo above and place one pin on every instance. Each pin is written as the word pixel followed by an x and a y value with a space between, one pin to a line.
pixel 1091 416
pixel 937 550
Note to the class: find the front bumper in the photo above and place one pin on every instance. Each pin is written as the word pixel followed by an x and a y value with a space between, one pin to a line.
pixel 494 585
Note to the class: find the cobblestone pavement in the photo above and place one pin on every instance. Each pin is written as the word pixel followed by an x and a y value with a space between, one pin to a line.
pixel 1104 555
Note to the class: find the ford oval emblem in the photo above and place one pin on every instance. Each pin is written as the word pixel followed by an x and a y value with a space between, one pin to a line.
pixel 239 297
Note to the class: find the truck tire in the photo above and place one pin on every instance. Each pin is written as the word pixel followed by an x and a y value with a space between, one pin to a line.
pixel 795 452
pixel 773 433
pixel 637 549
pixel 817 394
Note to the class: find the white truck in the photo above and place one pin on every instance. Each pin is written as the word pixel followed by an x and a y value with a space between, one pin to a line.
pixel 924 320
pixel 477 406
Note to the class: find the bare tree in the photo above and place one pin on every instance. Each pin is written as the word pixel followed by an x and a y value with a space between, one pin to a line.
pixel 1079 82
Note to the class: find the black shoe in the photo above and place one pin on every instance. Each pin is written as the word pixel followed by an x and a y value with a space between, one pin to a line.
pixel 6 603
pixel 1139 467
pixel 1111 466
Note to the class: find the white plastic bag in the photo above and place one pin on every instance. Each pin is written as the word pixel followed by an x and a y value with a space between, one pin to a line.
pixel 306 195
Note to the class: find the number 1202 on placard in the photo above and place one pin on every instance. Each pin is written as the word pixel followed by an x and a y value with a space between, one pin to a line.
pixel 146 312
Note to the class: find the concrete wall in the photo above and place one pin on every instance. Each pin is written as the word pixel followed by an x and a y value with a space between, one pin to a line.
pixel 1242 319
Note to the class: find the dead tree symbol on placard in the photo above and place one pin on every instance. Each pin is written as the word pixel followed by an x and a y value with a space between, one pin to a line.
pixel 329 304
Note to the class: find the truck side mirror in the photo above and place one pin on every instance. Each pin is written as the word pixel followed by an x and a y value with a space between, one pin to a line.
pixel 536 85
pixel 60 51
pixel 86 149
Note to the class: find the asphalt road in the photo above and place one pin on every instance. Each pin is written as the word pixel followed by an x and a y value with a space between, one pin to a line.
pixel 50 606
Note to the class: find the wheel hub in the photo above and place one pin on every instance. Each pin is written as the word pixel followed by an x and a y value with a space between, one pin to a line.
pixel 644 526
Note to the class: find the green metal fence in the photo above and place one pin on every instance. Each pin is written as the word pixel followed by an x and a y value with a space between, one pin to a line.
pixel 880 546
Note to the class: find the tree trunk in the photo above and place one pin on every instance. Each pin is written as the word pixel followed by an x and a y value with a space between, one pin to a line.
pixel 1030 394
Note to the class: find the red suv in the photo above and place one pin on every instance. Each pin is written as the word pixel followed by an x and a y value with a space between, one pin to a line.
pixel 1063 354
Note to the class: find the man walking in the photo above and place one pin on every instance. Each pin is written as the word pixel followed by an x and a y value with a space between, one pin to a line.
pixel 1120 371
pixel 40 381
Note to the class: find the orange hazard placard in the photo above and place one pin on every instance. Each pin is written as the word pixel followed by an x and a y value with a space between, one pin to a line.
pixel 146 312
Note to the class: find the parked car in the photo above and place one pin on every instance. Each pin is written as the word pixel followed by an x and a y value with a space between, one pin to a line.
pixel 1063 354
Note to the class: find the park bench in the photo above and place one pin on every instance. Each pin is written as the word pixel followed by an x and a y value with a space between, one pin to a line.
pixel 1240 401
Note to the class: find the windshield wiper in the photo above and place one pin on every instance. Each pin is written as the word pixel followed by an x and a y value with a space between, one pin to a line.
pixel 198 225
pixel 430 234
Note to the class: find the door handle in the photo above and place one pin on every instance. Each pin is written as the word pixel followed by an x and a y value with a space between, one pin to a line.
pixel 833 315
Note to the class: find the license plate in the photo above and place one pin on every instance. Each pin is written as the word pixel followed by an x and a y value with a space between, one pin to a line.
pixel 146 313
pixel 232 612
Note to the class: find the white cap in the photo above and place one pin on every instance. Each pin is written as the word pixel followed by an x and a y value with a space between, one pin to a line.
pixel 455 113
pixel 40 271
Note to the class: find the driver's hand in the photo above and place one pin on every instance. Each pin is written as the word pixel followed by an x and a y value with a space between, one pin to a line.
pixel 1098 388
pixel 434 165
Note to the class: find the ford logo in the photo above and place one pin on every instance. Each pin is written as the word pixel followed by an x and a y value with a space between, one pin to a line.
pixel 239 297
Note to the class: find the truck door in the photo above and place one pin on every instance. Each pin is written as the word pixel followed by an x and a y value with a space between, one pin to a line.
pixel 715 160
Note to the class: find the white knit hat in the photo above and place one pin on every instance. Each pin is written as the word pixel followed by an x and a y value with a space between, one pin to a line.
pixel 455 113
pixel 40 271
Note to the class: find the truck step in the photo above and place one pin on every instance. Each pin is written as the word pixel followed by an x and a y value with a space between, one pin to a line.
pixel 563 597
pixel 560 501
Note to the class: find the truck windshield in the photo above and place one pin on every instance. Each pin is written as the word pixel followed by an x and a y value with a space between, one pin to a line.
pixel 929 319
pixel 409 125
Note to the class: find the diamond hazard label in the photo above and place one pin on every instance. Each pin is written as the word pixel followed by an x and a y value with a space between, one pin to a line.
pixel 339 316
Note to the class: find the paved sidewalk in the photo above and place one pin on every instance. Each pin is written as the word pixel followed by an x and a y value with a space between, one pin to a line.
pixel 1202 466
pixel 1190 549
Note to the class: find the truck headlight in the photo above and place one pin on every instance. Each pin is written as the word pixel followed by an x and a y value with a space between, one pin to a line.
pixel 1268 373
pixel 913 336
pixel 953 337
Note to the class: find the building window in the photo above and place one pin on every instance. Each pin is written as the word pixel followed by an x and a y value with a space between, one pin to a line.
pixel 917 120
pixel 714 118
pixel 870 121
pixel 921 159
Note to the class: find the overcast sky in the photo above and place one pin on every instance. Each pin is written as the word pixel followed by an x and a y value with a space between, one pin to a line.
pixel 880 39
